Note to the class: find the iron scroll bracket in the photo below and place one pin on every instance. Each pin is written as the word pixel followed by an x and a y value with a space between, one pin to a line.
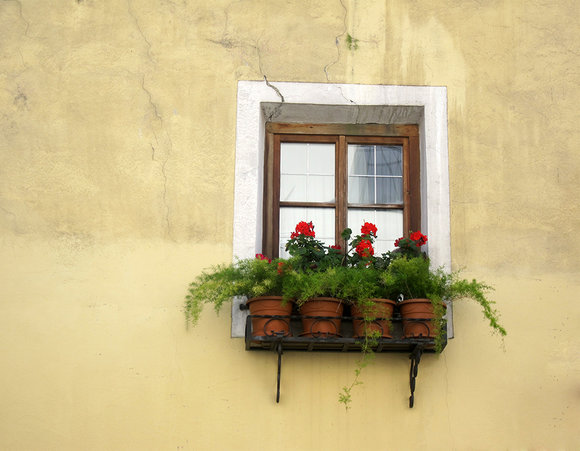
pixel 278 342
pixel 415 359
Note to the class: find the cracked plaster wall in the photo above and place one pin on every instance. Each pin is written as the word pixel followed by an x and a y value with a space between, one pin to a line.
pixel 117 137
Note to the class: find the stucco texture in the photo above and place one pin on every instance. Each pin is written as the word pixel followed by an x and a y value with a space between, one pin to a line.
pixel 117 140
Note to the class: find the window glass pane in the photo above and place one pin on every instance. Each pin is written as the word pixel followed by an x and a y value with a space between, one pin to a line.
pixel 321 158
pixel 293 158
pixel 322 218
pixel 361 190
pixel 389 160
pixel 389 226
pixel 320 188
pixel 307 172
pixel 361 159
pixel 383 167
pixel 293 187
pixel 389 190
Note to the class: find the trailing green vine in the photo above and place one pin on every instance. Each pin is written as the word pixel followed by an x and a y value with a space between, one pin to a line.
pixel 371 340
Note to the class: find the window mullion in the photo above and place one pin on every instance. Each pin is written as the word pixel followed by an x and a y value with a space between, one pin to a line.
pixel 375 171
pixel 406 189
pixel 308 171
pixel 273 250
pixel 341 187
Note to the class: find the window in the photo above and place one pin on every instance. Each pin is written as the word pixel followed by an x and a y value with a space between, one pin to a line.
pixel 339 176
pixel 340 105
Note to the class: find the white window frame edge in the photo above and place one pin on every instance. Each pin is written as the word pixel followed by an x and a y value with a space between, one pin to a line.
pixel 253 96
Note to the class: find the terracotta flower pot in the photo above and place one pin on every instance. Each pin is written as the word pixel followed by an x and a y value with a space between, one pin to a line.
pixel 382 310
pixel 417 309
pixel 313 322
pixel 270 306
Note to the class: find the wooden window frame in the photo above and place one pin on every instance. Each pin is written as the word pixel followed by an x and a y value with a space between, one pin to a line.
pixel 341 135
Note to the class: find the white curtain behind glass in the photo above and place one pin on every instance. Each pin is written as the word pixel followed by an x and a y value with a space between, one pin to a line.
pixel 389 226
pixel 307 172
pixel 306 175
pixel 375 176
pixel 322 218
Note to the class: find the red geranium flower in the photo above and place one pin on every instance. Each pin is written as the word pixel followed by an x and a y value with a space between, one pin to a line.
pixel 365 249
pixel 419 238
pixel 369 228
pixel 336 246
pixel 303 228
pixel 263 257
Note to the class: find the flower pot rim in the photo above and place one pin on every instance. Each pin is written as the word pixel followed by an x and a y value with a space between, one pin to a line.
pixel 419 301
pixel 263 298
pixel 334 304
pixel 384 301
pixel 324 298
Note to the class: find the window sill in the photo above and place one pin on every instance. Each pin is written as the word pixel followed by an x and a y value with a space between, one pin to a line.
pixel 344 343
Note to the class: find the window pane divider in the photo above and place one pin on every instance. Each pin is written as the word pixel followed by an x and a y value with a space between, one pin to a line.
pixel 371 176
pixel 377 206
pixel 375 172
pixel 307 204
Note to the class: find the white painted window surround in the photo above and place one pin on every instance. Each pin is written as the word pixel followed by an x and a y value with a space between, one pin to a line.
pixel 326 103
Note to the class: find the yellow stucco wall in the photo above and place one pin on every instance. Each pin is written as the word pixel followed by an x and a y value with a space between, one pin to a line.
pixel 117 136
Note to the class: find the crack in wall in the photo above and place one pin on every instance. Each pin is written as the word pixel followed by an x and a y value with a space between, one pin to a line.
pixel 157 118
pixel 150 97
pixel 337 43
pixel 225 43
pixel 228 43
pixel 138 26
pixel 19 3
pixel 16 74
pixel 164 161
pixel 164 174
pixel 227 19
pixel 274 88
pixel 278 108
pixel 358 109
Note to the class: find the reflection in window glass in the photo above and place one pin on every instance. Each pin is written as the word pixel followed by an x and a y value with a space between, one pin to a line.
pixel 389 190
pixel 389 160
pixel 361 190
pixel 375 174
